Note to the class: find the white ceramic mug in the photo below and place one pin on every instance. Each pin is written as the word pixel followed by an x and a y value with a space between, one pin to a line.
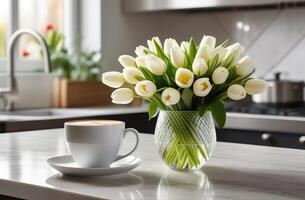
pixel 96 143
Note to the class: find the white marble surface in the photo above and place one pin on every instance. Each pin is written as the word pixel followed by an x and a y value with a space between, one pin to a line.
pixel 236 171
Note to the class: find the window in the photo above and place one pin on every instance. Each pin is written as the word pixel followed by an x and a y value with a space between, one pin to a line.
pixel 37 15
pixel 33 14
pixel 3 26
pixel 80 19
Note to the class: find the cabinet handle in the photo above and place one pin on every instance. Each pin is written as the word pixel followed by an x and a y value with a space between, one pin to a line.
pixel 266 137
pixel 302 140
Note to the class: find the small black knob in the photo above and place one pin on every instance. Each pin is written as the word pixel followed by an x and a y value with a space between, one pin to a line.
pixel 277 76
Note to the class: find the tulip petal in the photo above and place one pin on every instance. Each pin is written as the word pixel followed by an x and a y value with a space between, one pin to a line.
pixel 256 86
pixel 220 75
pixel 127 61
pixel 145 88
pixel 184 78
pixel 122 96
pixel 170 96
pixel 236 92
pixel 113 79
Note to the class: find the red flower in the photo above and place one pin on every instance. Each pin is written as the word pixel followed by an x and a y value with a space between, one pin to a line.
pixel 25 53
pixel 49 27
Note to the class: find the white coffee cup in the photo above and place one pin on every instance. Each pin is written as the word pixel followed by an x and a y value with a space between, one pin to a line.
pixel 96 143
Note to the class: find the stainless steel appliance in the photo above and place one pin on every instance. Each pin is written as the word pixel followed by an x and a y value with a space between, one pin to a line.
pixel 157 5
pixel 282 92
pixel 265 124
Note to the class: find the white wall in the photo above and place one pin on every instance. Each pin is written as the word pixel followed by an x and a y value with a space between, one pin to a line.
pixel 122 32
pixel 274 38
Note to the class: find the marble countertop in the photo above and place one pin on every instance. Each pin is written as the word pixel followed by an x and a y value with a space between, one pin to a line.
pixel 235 171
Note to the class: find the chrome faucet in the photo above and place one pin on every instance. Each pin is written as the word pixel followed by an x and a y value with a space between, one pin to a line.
pixel 11 90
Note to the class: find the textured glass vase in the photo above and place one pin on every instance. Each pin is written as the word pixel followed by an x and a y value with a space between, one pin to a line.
pixel 184 139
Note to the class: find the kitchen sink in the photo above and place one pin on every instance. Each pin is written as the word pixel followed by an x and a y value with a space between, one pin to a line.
pixel 49 113
pixel 47 118
pixel 39 113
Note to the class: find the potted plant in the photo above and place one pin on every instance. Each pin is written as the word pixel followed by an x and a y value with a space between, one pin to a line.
pixel 188 83
pixel 77 84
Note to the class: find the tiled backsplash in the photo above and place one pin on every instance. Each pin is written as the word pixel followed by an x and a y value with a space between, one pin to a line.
pixel 274 38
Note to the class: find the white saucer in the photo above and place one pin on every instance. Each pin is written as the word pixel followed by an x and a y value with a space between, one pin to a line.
pixel 66 165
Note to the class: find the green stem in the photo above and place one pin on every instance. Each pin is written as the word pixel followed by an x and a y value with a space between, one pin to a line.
pixel 184 148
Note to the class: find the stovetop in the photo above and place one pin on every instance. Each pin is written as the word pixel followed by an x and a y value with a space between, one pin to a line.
pixel 267 109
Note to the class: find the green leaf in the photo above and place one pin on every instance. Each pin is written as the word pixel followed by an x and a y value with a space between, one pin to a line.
pixel 152 110
pixel 228 61
pixel 213 65
pixel 160 52
pixel 147 74
pixel 201 109
pixel 139 78
pixel 219 113
pixel 224 44
pixel 193 49
pixel 187 97
pixel 160 81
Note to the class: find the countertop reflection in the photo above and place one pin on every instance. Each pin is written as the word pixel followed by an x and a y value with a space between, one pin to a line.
pixel 236 171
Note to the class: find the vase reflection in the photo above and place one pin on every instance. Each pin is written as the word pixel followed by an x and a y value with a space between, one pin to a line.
pixel 177 185
pixel 129 185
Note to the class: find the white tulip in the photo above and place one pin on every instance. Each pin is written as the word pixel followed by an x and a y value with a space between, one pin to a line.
pixel 130 74
pixel 140 61
pixel 145 88
pixel 151 44
pixel 208 41
pixel 245 66
pixel 236 92
pixel 127 61
pixel 122 96
pixel 140 50
pixel 235 49
pixel 170 96
pixel 113 79
pixel 177 57
pixel 220 75
pixel 203 52
pixel 185 46
pixel 155 64
pixel 184 78
pixel 220 51
pixel 256 86
pixel 202 87
pixel 168 44
pixel 199 67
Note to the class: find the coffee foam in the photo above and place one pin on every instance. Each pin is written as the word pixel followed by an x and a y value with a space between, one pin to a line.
pixel 94 123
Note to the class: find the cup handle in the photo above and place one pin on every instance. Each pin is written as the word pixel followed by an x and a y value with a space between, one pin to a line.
pixel 136 133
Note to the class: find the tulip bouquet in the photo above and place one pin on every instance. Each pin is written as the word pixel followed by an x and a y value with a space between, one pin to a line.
pixel 185 77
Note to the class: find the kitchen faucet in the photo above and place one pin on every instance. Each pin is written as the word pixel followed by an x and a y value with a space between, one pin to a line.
pixel 11 89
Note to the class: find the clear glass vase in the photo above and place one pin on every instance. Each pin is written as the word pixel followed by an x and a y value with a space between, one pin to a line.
pixel 184 139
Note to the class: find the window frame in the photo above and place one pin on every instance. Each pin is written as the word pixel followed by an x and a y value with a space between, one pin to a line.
pixel 73 10
pixel 21 65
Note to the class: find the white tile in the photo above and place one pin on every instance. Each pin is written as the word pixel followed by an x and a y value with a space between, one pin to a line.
pixel 293 66
pixel 278 39
pixel 245 26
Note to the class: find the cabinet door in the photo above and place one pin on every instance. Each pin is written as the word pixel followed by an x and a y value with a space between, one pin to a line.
pixel 288 140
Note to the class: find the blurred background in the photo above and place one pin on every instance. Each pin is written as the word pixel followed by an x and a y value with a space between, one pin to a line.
pixel 85 38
